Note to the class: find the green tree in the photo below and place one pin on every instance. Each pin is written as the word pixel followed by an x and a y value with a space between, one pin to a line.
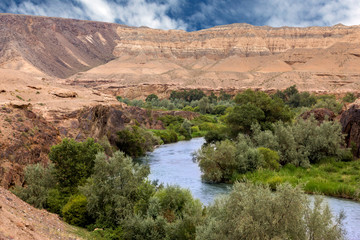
pixel 204 105
pixel 255 212
pixel 75 213
pixel 256 107
pixel 39 180
pixel 135 141
pixel 112 191
pixel 74 161
pixel 151 97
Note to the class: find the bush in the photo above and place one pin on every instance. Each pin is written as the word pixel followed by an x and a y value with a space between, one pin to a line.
pixel 167 136
pixel 56 200
pixel 303 142
pixel 216 135
pixel 270 158
pixel 349 98
pixel 136 141
pixel 255 212
pixel 112 191
pixel 256 107
pixel 221 161
pixel 75 213
pixel 151 97
pixel 74 161
pixel 172 214
pixel 329 102
pixel 39 180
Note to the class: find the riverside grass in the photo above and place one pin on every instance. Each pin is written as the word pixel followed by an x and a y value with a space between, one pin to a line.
pixel 337 179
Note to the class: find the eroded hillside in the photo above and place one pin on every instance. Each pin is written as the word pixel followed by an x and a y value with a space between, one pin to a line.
pixel 133 61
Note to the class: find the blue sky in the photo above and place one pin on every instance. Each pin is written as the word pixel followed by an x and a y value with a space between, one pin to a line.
pixel 193 15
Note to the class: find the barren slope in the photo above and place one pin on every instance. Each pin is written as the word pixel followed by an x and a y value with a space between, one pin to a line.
pixel 20 221
pixel 136 61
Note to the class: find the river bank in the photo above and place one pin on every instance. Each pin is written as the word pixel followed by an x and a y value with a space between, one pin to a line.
pixel 174 164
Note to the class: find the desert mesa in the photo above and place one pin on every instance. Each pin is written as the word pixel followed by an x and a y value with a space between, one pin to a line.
pixel 135 61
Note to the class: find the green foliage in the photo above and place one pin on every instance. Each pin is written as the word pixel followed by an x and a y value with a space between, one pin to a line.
pixel 151 97
pixel 294 99
pixel 221 161
pixel 172 214
pixel 74 161
pixel 349 98
pixel 167 136
pixel 75 213
pixel 255 212
pixel 191 95
pixel 112 191
pixel 145 228
pixel 219 110
pixel 224 96
pixel 270 158
pixel 39 180
pixel 333 178
pixel 204 105
pixel 301 143
pixel 136 141
pixel 329 102
pixel 216 135
pixel 256 107
pixel 185 129
pixel 242 117
pixel 56 200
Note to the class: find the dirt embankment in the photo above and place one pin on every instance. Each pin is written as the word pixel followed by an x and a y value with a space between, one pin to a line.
pixel 20 221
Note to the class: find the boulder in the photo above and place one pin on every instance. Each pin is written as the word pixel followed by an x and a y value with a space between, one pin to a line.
pixel 320 114
pixel 350 122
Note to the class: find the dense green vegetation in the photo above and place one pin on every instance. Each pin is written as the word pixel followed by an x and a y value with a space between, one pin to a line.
pixel 254 212
pixel 263 139
pixel 254 137
pixel 331 177
pixel 193 100
pixel 119 199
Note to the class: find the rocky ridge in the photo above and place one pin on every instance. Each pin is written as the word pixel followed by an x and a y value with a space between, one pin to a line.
pixel 114 58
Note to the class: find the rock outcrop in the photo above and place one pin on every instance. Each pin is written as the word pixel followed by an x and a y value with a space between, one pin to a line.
pixel 350 121
pixel 320 114
pixel 25 138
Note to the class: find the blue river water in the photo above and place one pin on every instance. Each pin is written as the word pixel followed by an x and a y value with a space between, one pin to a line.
pixel 173 164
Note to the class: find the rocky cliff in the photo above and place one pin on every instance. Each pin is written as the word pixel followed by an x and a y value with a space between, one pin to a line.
pixel 115 58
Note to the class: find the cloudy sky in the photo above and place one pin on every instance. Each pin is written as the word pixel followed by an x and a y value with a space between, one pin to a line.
pixel 193 15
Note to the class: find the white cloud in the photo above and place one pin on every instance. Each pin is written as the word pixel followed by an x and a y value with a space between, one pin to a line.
pixel 133 13
pixel 310 12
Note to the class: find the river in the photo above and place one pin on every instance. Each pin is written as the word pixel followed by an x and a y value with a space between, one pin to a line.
pixel 173 164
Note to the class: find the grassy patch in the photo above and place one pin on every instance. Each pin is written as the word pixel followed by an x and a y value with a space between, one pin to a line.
pixel 338 179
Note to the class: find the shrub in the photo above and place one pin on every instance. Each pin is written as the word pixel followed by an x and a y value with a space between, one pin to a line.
pixel 255 212
pixel 221 161
pixel 256 107
pixel 39 180
pixel 151 97
pixel 303 142
pixel 216 135
pixel 112 191
pixel 74 161
pixel 349 98
pixel 167 136
pixel 329 102
pixel 75 213
pixel 270 158
pixel 135 141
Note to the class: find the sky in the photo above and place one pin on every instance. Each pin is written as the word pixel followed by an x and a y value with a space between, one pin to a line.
pixel 192 15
